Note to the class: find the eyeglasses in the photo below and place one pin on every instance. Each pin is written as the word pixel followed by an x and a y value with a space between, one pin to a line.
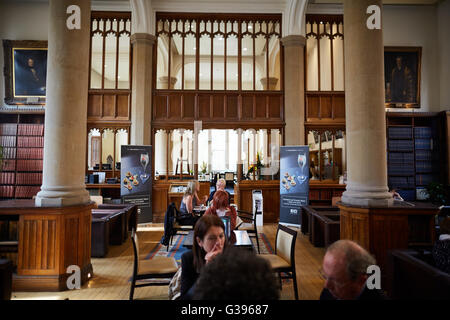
pixel 330 279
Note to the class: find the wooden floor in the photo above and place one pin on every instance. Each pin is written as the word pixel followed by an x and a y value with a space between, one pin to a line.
pixel 112 273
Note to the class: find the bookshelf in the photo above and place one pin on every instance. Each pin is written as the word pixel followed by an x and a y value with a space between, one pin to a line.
pixel 22 142
pixel 414 144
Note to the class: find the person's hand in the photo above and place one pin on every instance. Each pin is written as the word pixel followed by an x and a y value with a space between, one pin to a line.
pixel 214 252
pixel 205 198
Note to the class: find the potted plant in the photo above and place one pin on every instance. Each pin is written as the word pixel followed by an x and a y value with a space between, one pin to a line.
pixel 439 193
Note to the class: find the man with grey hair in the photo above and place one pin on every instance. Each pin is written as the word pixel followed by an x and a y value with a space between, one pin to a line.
pixel 344 269
pixel 220 185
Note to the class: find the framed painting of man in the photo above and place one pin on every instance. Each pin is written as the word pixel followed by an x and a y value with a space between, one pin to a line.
pixel 25 72
pixel 402 76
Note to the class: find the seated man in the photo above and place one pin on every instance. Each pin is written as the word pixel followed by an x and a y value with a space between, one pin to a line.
pixel 220 185
pixel 344 269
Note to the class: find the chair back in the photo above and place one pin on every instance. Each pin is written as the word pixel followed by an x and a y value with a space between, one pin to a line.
pixel 285 244
pixel 135 240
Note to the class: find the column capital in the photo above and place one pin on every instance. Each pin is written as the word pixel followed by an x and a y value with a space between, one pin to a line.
pixel 143 38
pixel 293 40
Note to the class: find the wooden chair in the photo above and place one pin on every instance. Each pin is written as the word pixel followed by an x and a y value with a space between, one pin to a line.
pixel 283 261
pixel 249 224
pixel 156 268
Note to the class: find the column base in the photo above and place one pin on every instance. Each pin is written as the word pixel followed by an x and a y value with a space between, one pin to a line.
pixel 373 197
pixel 61 197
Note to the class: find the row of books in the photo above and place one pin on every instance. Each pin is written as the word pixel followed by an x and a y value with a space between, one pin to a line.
pixel 7 177
pixel 30 142
pixel 400 145
pixel 7 141
pixel 401 169
pixel 29 165
pixel 423 132
pixel 30 153
pixel 398 157
pixel 396 182
pixel 26 191
pixel 400 133
pixel 424 166
pixel 424 144
pixel 6 191
pixel 8 165
pixel 424 179
pixel 424 155
pixel 30 129
pixel 9 153
pixel 8 129
pixel 29 178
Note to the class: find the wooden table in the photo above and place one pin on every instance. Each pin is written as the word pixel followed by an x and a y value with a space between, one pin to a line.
pixel 242 239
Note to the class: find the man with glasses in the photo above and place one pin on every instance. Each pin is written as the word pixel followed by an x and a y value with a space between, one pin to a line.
pixel 344 270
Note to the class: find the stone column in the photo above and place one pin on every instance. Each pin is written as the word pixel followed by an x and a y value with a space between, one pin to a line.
pixel 66 113
pixel 364 109
pixel 294 89
pixel 141 93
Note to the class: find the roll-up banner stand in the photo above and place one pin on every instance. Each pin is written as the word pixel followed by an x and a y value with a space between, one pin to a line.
pixel 257 207
pixel 294 183
pixel 136 180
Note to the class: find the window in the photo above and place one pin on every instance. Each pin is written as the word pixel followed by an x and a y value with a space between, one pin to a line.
pixel 218 52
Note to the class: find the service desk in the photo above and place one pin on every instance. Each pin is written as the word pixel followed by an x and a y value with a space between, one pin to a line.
pixel 50 240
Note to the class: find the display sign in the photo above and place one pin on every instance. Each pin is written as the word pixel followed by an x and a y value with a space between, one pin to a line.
pixel 294 183
pixel 135 179
pixel 257 206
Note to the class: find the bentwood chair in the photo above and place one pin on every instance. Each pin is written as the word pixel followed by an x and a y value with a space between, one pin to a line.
pixel 249 224
pixel 283 261
pixel 156 268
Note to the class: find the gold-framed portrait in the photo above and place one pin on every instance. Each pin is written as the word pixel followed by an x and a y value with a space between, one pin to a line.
pixel 25 72
pixel 402 76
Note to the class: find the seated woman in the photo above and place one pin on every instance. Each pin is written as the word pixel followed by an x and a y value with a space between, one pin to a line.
pixel 221 207
pixel 189 201
pixel 441 249
pixel 208 242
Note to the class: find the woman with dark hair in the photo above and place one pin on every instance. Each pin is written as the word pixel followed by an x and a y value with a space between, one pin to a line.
pixel 221 207
pixel 209 241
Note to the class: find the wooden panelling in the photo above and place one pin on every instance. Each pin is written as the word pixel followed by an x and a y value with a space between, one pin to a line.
pixel 218 106
pixel 50 239
pixel 271 196
pixel 325 107
pixel 247 106
pixel 174 107
pixel 274 106
pixel 261 106
pixel 160 106
pixel 232 106
pixel 109 106
pixel 95 105
pixel 189 106
pixel 204 106
pixel 123 106
pixel 312 107
pixel 339 107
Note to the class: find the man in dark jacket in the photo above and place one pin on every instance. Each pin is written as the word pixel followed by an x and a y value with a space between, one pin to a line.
pixel 344 269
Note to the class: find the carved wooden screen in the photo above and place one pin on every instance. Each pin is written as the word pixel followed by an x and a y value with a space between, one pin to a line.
pixel 223 69
pixel 110 67
pixel 324 65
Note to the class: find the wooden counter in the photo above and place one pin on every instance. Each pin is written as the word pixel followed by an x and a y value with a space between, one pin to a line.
pixel 161 198
pixel 400 226
pixel 271 197
pixel 50 240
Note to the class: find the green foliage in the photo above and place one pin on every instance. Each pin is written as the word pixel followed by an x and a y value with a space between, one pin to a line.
pixel 439 193
pixel 203 167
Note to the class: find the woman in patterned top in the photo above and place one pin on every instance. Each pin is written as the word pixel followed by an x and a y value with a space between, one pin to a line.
pixel 441 249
